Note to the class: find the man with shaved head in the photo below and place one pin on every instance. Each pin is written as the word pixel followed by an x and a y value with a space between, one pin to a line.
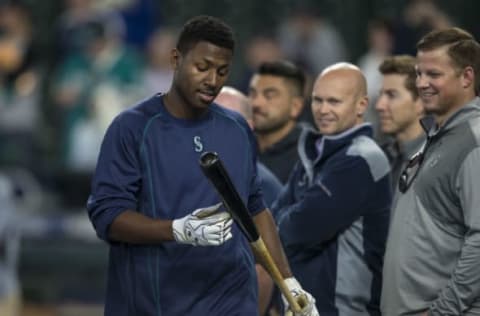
pixel 333 215
pixel 235 100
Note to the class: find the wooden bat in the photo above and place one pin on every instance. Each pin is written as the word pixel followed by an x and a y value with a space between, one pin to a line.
pixel 214 170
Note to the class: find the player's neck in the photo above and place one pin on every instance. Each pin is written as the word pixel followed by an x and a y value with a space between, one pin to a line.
pixel 459 103
pixel 410 133
pixel 178 107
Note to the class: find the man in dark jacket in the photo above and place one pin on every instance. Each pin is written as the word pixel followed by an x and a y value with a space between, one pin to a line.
pixel 333 216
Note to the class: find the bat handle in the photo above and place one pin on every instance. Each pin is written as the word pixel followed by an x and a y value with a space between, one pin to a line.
pixel 272 269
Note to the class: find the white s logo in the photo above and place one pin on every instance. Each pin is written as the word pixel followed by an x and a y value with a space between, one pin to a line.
pixel 198 146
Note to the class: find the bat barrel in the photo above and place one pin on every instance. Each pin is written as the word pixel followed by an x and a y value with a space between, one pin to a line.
pixel 214 170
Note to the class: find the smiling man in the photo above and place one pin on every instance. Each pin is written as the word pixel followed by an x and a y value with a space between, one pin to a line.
pixel 400 109
pixel 173 249
pixel 334 212
pixel 432 257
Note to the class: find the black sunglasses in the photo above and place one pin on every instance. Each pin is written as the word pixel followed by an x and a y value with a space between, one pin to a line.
pixel 411 171
pixel 413 166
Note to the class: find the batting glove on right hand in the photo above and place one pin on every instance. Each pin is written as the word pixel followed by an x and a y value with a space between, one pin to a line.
pixel 304 299
pixel 204 227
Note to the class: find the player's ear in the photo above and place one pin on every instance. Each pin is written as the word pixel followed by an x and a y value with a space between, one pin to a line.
pixel 175 56
pixel 297 107
pixel 362 106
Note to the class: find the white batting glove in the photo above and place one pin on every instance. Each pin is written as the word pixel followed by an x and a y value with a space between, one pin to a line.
pixel 204 227
pixel 304 299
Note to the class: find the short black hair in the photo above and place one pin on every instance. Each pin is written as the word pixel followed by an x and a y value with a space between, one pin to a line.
pixel 205 28
pixel 286 70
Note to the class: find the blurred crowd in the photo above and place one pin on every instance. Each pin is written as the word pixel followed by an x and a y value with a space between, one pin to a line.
pixel 108 55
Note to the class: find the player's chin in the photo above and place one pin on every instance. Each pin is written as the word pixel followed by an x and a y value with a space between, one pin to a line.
pixel 201 104
pixel 430 101
pixel 325 127
pixel 326 130
pixel 431 107
pixel 386 128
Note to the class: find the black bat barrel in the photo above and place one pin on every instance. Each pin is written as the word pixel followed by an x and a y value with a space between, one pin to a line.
pixel 214 170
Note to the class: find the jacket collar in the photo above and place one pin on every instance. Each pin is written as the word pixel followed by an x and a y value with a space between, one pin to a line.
pixel 314 147
pixel 461 115
pixel 395 150
pixel 327 144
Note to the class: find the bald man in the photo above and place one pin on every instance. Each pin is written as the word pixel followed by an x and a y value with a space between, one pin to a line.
pixel 235 100
pixel 334 212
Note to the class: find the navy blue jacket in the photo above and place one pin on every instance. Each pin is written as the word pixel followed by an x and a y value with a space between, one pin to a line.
pixel 333 219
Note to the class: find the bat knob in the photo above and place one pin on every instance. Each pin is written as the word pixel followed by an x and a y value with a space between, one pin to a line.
pixel 208 158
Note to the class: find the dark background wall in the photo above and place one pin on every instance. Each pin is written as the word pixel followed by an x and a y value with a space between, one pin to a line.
pixel 252 16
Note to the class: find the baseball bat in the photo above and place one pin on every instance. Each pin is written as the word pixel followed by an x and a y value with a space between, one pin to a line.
pixel 215 171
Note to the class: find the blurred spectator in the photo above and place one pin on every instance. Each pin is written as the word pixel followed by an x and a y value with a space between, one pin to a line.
pixel 92 85
pixel 71 25
pixel 271 187
pixel 9 287
pixel 20 78
pixel 234 100
pixel 380 45
pixel 310 41
pixel 141 19
pixel 419 17
pixel 258 49
pixel 158 73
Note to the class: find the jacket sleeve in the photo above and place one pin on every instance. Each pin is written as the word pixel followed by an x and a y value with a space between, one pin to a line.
pixel 116 181
pixel 463 288
pixel 333 202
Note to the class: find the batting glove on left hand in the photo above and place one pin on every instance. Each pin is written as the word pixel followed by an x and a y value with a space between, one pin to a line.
pixel 304 299
pixel 204 227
